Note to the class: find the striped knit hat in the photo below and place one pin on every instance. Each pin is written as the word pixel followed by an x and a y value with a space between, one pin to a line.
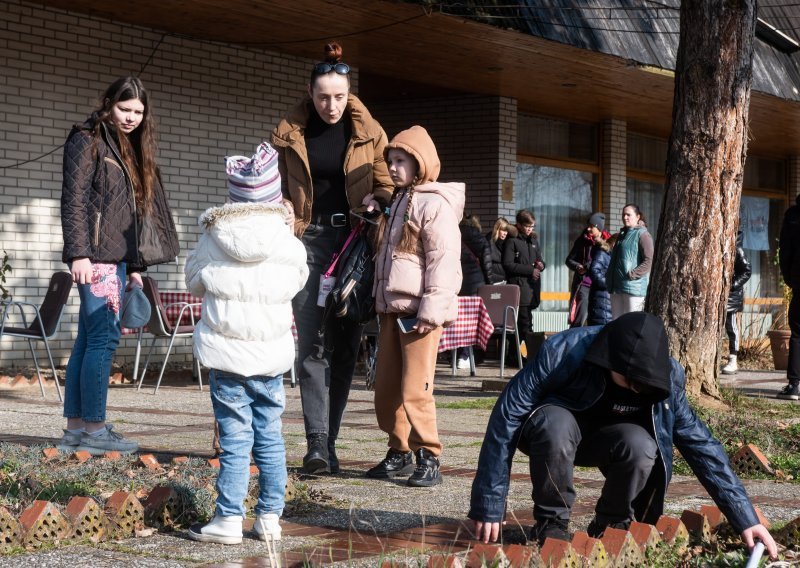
pixel 256 179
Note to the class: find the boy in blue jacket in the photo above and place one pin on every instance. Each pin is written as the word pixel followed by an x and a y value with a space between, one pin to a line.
pixel 609 397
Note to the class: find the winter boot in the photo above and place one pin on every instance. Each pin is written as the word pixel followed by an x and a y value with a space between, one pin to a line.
pixel 316 460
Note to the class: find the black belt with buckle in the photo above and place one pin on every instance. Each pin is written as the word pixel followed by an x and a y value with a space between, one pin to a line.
pixel 332 220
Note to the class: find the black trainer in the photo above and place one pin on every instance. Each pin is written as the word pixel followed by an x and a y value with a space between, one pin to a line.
pixel 395 463
pixel 333 460
pixel 316 459
pixel 790 392
pixel 426 474
pixel 550 528
pixel 596 529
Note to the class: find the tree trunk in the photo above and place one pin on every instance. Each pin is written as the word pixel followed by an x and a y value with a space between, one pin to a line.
pixel 695 249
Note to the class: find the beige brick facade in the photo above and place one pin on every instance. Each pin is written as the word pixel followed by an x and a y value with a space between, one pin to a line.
pixel 209 100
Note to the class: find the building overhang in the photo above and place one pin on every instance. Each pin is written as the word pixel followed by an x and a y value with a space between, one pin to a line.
pixel 403 51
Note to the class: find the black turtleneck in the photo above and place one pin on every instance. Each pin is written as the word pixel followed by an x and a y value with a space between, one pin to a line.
pixel 326 145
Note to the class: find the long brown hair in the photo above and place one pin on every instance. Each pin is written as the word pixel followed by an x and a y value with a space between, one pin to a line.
pixel 138 149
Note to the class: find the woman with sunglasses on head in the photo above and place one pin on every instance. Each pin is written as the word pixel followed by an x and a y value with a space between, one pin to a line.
pixel 330 158
pixel 111 185
pixel 629 268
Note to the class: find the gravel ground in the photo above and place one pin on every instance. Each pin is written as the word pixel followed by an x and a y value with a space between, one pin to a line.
pixel 179 420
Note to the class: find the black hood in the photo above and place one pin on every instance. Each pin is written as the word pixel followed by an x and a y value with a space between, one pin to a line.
pixel 635 346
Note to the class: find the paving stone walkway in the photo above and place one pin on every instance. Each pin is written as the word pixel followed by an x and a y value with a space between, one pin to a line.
pixel 363 521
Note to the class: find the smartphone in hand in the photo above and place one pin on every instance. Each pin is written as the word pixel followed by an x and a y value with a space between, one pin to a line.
pixel 370 217
pixel 407 324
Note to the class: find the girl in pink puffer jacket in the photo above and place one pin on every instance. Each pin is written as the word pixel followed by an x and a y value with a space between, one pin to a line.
pixel 417 274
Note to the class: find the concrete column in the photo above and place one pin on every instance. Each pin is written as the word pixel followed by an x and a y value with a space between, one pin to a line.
pixel 613 167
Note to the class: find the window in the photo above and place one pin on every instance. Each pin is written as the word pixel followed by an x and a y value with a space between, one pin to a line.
pixel 551 138
pixel 647 158
pixel 561 201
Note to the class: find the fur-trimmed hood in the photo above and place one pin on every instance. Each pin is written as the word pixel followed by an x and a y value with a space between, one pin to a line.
pixel 245 231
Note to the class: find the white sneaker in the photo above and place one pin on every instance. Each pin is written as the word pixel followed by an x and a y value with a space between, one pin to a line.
pixel 732 367
pixel 462 364
pixel 220 530
pixel 267 526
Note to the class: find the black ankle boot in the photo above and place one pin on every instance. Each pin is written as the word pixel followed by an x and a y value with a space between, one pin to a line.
pixel 550 528
pixel 395 463
pixel 333 460
pixel 316 459
pixel 426 474
pixel 596 528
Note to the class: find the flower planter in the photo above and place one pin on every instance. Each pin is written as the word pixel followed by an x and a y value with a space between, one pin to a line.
pixel 779 343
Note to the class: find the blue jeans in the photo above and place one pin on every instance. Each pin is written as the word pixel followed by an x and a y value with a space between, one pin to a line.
pixel 248 410
pixel 89 366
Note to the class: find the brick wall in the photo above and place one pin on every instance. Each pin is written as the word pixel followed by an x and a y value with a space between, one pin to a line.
pixel 476 138
pixel 54 65
pixel 613 165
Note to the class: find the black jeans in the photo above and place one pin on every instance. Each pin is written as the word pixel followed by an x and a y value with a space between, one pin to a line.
pixel 793 372
pixel 624 453
pixel 324 403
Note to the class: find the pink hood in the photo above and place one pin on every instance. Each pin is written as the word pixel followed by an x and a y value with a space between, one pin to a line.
pixel 425 282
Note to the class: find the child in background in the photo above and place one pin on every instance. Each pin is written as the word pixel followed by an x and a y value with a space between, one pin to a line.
pixel 247 267
pixel 417 273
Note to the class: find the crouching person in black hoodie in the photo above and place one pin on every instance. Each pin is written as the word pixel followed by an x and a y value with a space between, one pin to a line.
pixel 608 397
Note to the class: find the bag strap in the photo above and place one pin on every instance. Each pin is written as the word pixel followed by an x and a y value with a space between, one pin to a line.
pixel 335 258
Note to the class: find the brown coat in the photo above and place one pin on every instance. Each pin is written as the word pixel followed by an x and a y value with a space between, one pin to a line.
pixel 365 168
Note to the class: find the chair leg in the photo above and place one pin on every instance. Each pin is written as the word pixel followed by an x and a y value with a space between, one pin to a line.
pixel 138 354
pixel 471 361
pixel 503 348
pixel 199 373
pixel 53 365
pixel 166 358
pixel 453 361
pixel 146 362
pixel 36 362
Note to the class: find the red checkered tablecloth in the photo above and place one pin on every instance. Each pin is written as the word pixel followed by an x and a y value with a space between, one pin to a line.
pixel 473 326
pixel 174 301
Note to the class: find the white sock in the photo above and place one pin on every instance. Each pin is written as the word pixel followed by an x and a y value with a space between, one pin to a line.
pixel 76 431
pixel 97 433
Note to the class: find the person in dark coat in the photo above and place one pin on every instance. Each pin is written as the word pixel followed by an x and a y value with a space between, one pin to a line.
pixel 741 274
pixel 523 263
pixel 599 298
pixel 609 397
pixel 578 260
pixel 476 267
pixel 476 256
pixel 789 261
pixel 497 239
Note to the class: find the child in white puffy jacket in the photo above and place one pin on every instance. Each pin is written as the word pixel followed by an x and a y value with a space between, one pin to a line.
pixel 247 267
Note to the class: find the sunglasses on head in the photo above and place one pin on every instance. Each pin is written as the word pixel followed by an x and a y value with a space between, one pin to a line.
pixel 324 67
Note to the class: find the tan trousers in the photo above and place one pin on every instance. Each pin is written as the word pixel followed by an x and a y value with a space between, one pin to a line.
pixel 404 402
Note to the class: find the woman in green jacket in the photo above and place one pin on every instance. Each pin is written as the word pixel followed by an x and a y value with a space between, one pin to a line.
pixel 629 270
